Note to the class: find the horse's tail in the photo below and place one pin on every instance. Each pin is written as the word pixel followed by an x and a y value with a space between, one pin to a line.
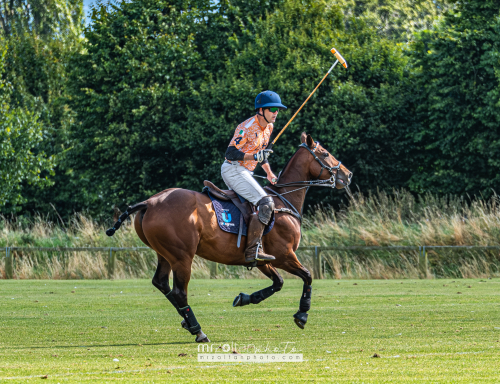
pixel 130 210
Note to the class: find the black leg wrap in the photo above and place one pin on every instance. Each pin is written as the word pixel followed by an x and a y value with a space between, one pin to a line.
pixel 241 300
pixel 263 294
pixel 305 300
pixel 192 324
pixel 171 298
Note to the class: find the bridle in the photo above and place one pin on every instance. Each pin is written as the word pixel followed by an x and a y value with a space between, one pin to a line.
pixel 329 183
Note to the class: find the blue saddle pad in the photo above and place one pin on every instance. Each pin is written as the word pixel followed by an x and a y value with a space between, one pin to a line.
pixel 228 217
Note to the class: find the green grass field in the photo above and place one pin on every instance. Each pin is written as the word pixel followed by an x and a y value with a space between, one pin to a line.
pixel 424 331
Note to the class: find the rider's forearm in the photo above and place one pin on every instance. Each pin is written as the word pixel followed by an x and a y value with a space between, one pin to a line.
pixel 267 168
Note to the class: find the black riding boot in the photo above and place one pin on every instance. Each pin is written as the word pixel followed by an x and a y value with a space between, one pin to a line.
pixel 254 250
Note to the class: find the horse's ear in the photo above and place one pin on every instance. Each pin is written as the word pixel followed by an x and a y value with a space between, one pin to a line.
pixel 303 137
pixel 310 142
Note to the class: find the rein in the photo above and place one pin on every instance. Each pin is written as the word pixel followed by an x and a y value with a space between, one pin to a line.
pixel 329 183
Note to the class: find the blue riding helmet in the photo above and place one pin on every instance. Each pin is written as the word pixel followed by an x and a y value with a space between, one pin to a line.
pixel 268 99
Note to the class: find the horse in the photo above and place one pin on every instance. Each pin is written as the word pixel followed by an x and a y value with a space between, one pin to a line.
pixel 178 223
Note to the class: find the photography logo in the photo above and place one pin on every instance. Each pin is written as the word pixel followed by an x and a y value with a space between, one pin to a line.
pixel 284 352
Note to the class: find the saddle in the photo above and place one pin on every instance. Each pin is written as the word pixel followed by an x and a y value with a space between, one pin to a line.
pixel 232 211
pixel 244 206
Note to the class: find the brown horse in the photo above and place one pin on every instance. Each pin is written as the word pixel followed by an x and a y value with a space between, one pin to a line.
pixel 179 223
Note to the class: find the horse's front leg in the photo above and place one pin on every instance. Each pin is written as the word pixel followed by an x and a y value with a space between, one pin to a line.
pixel 292 265
pixel 256 297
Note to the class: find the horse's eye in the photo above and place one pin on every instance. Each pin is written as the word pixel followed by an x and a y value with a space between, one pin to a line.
pixel 325 155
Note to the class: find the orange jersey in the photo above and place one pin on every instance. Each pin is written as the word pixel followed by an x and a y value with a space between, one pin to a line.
pixel 251 137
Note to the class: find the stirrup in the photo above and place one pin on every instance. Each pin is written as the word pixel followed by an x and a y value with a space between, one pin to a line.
pixel 268 258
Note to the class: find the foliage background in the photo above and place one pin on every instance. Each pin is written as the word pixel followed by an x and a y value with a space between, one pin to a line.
pixel 148 95
pixel 39 37
pixel 21 133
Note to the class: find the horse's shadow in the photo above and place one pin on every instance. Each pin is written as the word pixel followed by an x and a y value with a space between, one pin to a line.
pixel 98 346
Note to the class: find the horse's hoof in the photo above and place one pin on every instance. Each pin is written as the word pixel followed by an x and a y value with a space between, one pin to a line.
pixel 241 300
pixel 300 319
pixel 237 301
pixel 184 325
pixel 299 323
pixel 202 338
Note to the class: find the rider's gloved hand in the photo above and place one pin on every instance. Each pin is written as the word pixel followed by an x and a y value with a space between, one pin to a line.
pixel 262 155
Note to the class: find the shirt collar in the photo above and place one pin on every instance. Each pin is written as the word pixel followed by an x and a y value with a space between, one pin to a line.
pixel 258 122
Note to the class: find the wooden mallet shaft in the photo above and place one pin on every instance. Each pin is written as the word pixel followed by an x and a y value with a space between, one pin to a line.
pixel 340 60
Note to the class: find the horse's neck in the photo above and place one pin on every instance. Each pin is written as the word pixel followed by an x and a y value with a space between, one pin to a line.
pixel 296 170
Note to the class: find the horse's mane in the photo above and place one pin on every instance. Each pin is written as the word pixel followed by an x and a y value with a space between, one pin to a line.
pixel 286 165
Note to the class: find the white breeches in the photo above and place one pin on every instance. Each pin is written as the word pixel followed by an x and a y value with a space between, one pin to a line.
pixel 240 180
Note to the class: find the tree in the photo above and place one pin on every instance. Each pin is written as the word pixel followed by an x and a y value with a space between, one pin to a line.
pixel 162 85
pixel 41 37
pixel 363 115
pixel 47 18
pixel 457 70
pixel 399 19
pixel 20 136
pixel 133 89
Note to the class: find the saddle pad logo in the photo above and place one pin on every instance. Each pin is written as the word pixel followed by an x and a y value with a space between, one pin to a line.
pixel 226 216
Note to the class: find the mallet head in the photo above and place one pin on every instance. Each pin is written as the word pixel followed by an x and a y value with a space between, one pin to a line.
pixel 339 57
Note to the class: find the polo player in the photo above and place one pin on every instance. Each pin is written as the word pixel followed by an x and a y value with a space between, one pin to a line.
pixel 246 149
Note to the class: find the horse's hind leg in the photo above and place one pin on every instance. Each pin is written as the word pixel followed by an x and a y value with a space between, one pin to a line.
pixel 256 297
pixel 294 267
pixel 160 279
pixel 178 298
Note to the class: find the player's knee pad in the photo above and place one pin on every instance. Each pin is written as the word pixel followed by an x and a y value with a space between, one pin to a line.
pixel 266 209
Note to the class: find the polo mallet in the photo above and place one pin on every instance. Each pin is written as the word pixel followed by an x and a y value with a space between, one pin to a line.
pixel 340 60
